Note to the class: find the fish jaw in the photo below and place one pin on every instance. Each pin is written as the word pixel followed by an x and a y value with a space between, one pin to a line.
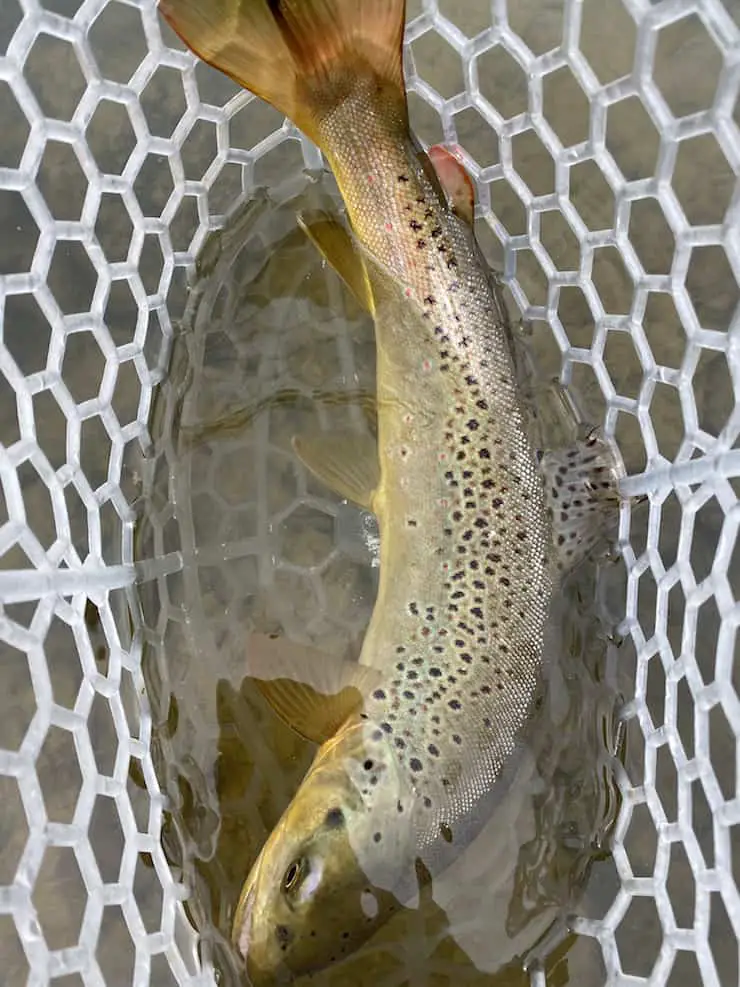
pixel 350 831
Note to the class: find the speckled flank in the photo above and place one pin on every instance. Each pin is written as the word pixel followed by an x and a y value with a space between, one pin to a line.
pixel 465 535
pixel 468 538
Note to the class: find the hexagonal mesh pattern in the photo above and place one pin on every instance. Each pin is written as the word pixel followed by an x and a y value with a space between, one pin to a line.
pixel 603 137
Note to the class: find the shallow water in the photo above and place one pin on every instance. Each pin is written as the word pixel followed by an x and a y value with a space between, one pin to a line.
pixel 205 730
pixel 272 345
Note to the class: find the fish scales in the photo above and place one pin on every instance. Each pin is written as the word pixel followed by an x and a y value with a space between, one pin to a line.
pixel 464 570
pixel 415 737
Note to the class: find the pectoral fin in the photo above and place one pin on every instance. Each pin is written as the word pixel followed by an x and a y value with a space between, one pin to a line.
pixel 347 462
pixel 335 243
pixel 582 492
pixel 312 692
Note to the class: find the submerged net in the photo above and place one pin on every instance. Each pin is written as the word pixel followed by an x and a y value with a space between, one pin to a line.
pixel 603 137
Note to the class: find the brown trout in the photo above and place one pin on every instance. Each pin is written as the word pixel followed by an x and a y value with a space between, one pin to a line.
pixel 475 527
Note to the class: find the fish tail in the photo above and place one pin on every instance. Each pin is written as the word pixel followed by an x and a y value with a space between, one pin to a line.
pixel 301 56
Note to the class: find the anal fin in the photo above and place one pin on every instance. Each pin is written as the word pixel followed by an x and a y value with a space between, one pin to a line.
pixel 582 495
pixel 335 243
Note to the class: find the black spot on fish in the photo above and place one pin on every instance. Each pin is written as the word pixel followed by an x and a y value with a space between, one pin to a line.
pixel 446 833
pixel 403 178
pixel 377 837
pixel 379 694
pixel 454 704
pixel 415 764
pixel 334 818
pixel 368 765
pixel 433 750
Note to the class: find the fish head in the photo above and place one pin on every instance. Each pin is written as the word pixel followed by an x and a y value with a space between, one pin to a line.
pixel 337 865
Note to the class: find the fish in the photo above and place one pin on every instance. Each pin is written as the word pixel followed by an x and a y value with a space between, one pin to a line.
pixel 418 734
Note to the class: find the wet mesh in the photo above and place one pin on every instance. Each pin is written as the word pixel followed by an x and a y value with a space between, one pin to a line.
pixel 603 137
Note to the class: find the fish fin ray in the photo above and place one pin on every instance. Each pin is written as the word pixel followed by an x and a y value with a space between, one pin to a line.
pixel 313 693
pixel 370 280
pixel 337 245
pixel 297 55
pixel 241 39
pixel 455 181
pixel 582 495
pixel 346 462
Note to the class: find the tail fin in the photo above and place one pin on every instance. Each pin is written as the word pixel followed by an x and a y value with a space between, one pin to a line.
pixel 294 53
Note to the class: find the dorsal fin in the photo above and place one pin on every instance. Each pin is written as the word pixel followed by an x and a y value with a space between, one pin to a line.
pixel 582 493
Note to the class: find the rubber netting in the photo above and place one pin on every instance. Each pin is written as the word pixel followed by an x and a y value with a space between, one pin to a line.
pixel 603 138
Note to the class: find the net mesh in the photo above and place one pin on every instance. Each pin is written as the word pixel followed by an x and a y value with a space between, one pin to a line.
pixel 603 137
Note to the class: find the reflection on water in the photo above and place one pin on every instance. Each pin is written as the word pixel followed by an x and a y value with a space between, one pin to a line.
pixel 272 345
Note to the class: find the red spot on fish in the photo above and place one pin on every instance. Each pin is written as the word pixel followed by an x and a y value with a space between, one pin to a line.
pixel 389 227
pixel 370 179
pixel 442 457
pixel 408 292
pixel 444 502
pixel 426 365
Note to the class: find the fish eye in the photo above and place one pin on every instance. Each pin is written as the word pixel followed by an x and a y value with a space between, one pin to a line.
pixel 294 874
